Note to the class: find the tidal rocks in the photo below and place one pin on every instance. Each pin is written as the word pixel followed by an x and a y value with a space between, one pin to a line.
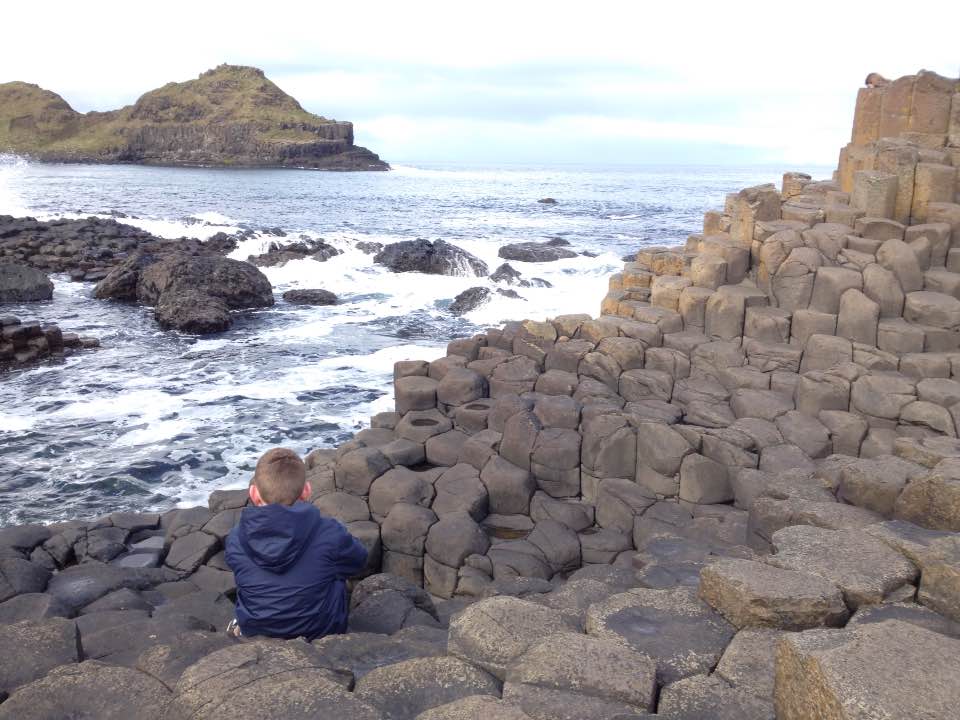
pixel 23 283
pixel 310 297
pixel 470 299
pixel 548 251
pixel 278 255
pixel 435 258
pixel 508 275
pixel 23 343
pixel 191 293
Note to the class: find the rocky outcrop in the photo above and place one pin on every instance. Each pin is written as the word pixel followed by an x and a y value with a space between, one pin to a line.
pixel 508 275
pixel 548 251
pixel 435 258
pixel 22 283
pixel 25 343
pixel 87 249
pixel 190 293
pixel 231 115
pixel 278 255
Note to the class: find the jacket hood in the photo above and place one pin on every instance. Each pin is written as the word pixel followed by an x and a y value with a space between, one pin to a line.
pixel 274 536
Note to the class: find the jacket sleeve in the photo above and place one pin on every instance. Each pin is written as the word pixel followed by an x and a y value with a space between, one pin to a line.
pixel 350 556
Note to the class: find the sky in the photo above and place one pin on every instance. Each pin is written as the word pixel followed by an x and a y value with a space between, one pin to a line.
pixel 512 82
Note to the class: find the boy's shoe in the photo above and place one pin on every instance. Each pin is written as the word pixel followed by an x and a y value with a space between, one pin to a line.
pixel 233 629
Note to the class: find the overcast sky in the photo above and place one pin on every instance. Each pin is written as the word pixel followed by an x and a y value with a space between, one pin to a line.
pixel 520 81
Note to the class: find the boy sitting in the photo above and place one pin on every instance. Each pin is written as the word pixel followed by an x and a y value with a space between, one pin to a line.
pixel 290 562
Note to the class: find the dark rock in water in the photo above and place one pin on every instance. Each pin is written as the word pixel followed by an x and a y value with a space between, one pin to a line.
pixel 222 243
pixel 547 201
pixel 369 248
pixel 22 283
pixel 191 293
pixel 30 650
pixel 89 690
pixel 589 254
pixel 506 273
pixel 513 294
pixel 435 258
pixel 278 255
pixel 192 312
pixel 537 252
pixel 469 299
pixel 310 297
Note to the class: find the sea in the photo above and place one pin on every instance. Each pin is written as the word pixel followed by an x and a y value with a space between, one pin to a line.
pixel 155 419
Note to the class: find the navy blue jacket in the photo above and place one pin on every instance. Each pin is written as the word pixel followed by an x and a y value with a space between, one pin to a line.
pixel 291 564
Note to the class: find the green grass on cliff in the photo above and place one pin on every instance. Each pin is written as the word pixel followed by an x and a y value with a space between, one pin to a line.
pixel 39 122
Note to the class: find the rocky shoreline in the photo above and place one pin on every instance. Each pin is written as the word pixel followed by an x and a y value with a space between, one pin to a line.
pixel 734 494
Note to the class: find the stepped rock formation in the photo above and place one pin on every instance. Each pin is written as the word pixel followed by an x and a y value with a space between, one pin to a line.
pixel 735 494
pixel 229 116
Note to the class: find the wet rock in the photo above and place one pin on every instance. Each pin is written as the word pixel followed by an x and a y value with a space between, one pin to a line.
pixel 278 255
pixel 548 251
pixel 310 297
pixel 23 283
pixel 470 299
pixel 436 258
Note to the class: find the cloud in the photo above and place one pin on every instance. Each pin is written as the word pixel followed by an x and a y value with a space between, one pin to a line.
pixel 548 80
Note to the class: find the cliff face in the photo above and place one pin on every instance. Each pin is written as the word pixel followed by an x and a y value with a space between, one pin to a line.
pixel 229 116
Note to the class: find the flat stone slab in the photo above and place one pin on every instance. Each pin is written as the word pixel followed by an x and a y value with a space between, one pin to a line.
pixel 403 690
pixel 682 634
pixel 863 567
pixel 585 665
pixel 703 696
pixel 475 707
pixel 89 690
pixel 495 631
pixel 890 669
pixel 753 594
pixel 28 650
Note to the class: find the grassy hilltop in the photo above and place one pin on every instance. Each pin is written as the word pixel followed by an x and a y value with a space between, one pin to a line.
pixel 229 116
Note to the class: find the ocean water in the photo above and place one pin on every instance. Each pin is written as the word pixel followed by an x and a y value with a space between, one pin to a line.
pixel 155 419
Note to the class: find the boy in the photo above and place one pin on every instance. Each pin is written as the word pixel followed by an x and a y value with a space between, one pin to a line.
pixel 290 561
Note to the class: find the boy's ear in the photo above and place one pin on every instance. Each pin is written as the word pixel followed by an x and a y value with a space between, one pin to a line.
pixel 307 492
pixel 255 495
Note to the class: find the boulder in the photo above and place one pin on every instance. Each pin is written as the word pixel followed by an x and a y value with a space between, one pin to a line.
pixel 890 669
pixel 752 594
pixel 30 649
pixel 434 258
pixel 310 297
pixel 23 283
pixel 548 251
pixel 708 696
pixel 469 300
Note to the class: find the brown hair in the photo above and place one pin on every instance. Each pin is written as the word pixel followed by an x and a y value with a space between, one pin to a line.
pixel 280 476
